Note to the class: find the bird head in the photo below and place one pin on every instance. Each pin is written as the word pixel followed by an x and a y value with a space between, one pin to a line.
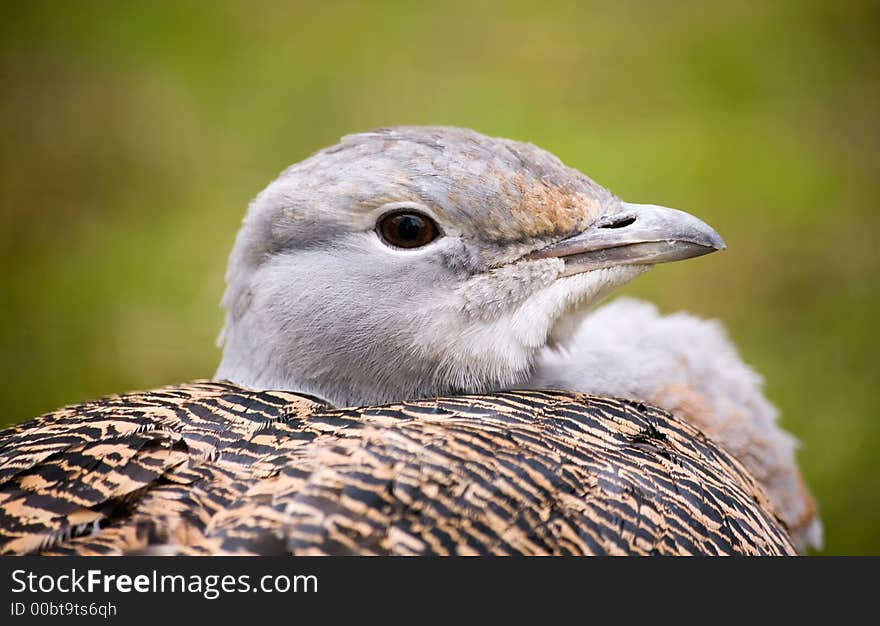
pixel 417 261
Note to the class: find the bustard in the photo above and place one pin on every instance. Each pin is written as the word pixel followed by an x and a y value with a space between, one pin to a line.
pixel 390 302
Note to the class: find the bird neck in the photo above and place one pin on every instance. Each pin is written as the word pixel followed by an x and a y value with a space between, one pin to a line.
pixel 343 373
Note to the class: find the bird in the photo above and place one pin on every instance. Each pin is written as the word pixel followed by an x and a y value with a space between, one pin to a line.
pixel 415 362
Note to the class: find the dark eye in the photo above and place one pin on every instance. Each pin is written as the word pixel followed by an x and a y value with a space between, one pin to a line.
pixel 407 230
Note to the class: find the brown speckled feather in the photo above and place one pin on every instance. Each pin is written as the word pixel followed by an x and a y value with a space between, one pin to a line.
pixel 212 468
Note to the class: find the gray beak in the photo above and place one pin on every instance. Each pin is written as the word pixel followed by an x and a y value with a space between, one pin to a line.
pixel 637 234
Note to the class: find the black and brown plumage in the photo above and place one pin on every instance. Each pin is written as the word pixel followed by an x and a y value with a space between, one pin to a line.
pixel 381 297
pixel 213 468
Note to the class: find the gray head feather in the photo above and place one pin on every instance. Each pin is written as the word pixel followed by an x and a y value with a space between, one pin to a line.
pixel 316 302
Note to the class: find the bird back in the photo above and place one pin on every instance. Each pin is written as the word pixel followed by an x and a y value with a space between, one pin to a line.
pixel 213 468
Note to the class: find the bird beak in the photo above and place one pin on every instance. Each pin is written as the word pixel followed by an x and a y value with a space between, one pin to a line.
pixel 637 234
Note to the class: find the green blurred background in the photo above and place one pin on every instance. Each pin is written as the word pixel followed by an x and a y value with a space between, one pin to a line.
pixel 135 133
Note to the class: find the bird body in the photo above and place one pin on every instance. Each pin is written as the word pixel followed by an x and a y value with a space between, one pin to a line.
pixel 212 468
pixel 383 298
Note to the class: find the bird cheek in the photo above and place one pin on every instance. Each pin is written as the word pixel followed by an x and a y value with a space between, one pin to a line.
pixel 490 295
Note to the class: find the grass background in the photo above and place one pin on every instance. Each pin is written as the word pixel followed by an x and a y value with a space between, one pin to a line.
pixel 135 133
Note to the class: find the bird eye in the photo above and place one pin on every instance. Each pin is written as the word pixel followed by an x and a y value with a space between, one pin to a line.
pixel 407 230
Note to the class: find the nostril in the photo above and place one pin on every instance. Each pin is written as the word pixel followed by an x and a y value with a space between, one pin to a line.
pixel 619 222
